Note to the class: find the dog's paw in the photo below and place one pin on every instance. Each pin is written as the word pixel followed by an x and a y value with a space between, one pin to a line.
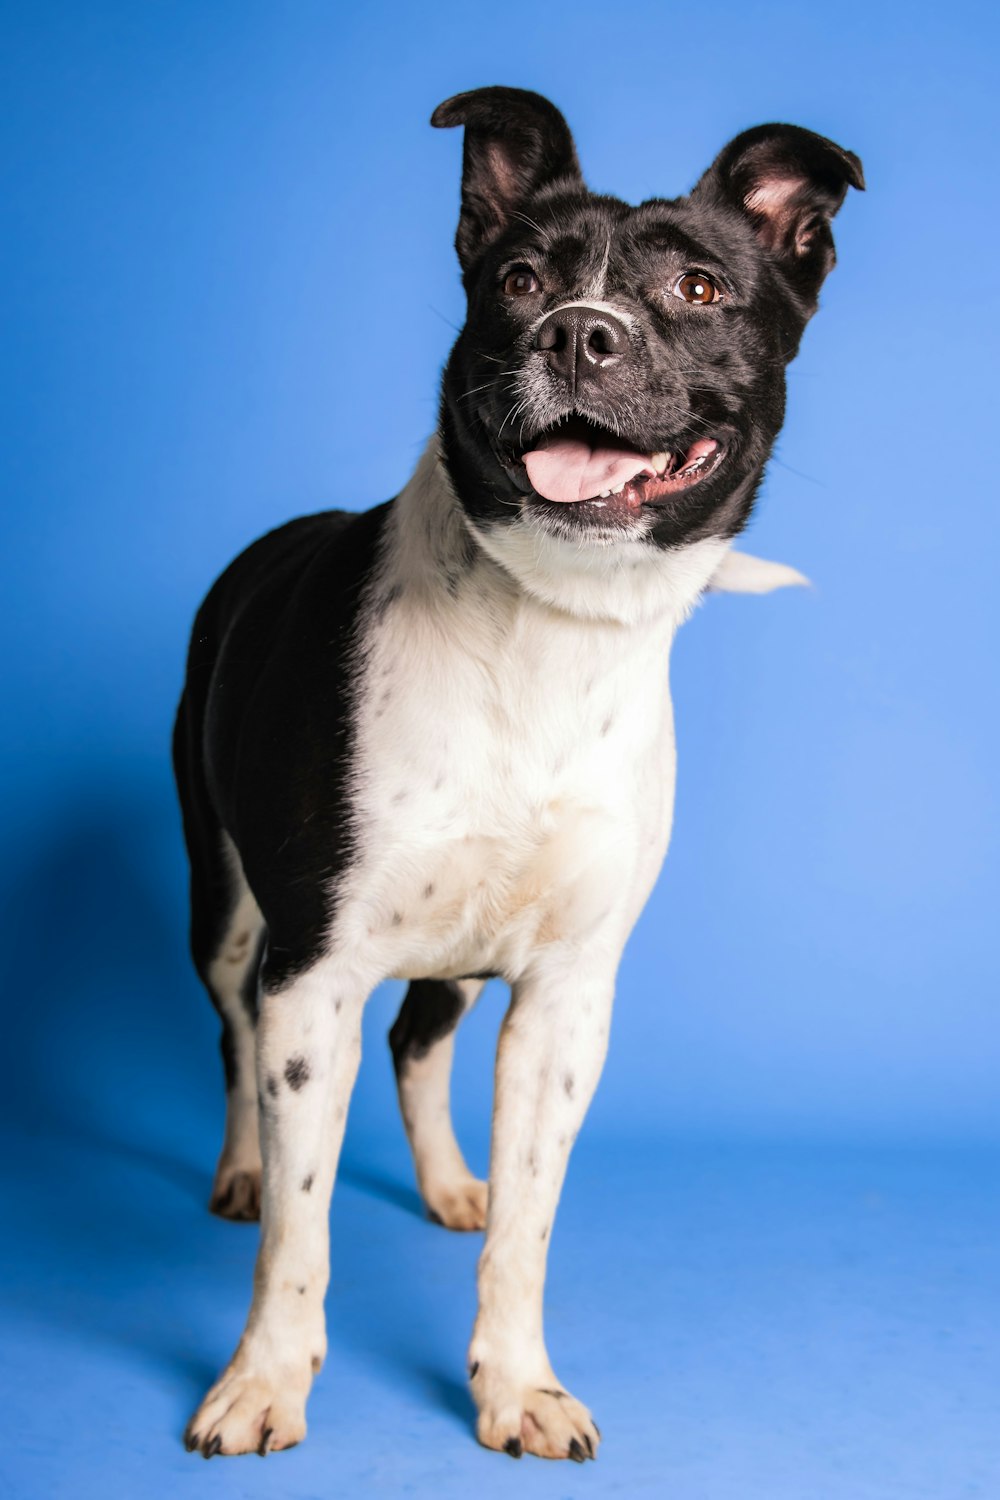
pixel 545 1420
pixel 458 1205
pixel 236 1193
pixel 247 1411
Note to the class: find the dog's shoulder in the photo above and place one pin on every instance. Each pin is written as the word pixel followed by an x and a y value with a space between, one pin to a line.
pixel 306 566
pixel 272 654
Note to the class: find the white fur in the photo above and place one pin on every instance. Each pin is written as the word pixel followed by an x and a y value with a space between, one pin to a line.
pixel 515 777
pixel 514 740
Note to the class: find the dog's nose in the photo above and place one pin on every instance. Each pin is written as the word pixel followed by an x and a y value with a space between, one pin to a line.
pixel 580 343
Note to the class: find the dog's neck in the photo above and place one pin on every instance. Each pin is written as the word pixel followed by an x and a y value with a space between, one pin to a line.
pixel 433 548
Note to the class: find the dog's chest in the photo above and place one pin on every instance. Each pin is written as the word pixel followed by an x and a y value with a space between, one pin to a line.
pixel 514 779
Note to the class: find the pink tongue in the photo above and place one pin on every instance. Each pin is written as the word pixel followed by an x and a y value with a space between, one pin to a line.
pixel 567 469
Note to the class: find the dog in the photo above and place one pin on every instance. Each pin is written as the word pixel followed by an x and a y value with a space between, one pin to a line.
pixel 434 741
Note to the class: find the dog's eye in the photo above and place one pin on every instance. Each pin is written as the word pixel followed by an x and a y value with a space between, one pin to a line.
pixel 693 286
pixel 521 282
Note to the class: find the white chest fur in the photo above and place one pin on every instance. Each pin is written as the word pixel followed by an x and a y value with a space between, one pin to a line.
pixel 515 758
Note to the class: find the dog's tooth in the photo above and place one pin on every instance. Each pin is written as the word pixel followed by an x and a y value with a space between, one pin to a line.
pixel 618 490
pixel 605 494
pixel 660 461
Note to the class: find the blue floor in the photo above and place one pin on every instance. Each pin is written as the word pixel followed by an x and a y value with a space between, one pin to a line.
pixel 787 1324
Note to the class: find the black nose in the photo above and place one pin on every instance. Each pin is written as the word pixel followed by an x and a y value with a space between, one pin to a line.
pixel 580 343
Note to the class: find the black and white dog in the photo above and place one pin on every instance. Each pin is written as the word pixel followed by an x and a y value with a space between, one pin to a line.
pixel 434 741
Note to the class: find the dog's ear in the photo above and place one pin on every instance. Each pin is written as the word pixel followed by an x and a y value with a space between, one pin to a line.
pixel 790 183
pixel 515 143
pixel 740 573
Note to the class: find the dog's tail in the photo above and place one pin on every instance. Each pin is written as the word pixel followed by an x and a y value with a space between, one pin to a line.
pixel 740 573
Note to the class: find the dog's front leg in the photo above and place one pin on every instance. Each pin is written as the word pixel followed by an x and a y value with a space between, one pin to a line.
pixel 308 1050
pixel 551 1051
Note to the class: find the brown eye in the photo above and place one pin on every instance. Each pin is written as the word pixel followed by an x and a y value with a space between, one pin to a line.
pixel 695 287
pixel 521 282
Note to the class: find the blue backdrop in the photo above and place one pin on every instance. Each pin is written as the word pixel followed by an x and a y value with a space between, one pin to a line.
pixel 219 219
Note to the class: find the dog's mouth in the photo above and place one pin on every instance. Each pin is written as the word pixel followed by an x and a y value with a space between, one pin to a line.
pixel 577 461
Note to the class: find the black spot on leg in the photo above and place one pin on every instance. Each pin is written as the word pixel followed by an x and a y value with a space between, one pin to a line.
pixel 272 1085
pixel 545 1234
pixel 297 1072
pixel 474 1369
pixel 307 1183
pixel 569 1084
pixel 302 1291
pixel 428 890
pixel 397 919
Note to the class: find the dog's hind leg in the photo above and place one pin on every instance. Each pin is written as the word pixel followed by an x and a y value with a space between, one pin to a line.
pixel 227 936
pixel 423 1044
pixel 231 979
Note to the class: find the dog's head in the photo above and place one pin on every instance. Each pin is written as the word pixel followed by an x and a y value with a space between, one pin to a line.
pixel 621 374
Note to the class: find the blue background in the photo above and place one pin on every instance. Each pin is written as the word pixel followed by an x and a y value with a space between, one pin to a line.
pixel 228 289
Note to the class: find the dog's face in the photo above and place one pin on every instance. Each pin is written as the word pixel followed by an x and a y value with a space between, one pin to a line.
pixel 620 376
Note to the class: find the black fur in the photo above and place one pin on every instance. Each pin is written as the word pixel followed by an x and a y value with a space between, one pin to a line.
pixel 431 1008
pixel 263 736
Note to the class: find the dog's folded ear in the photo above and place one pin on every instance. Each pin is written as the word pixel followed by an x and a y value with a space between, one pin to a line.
pixel 740 573
pixel 515 143
pixel 790 183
